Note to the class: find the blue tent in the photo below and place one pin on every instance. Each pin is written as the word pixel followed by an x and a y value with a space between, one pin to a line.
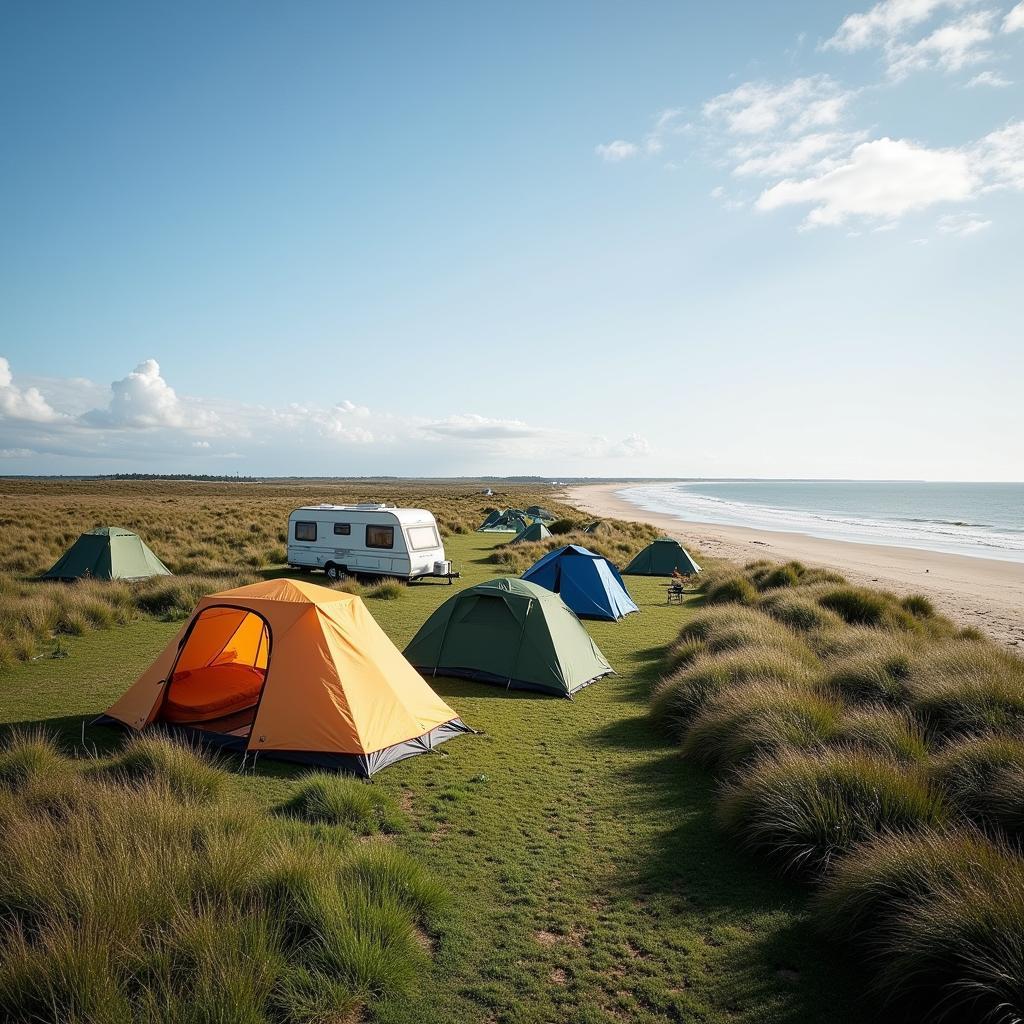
pixel 589 584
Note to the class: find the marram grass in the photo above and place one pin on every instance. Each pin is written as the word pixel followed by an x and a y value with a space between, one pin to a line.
pixel 125 902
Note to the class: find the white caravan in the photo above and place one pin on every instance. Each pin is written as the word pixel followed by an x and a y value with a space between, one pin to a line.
pixel 376 539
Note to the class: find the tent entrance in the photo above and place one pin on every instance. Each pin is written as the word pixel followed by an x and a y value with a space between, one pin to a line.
pixel 218 677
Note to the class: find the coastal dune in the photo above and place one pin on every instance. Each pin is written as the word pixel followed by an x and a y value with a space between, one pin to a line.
pixel 980 592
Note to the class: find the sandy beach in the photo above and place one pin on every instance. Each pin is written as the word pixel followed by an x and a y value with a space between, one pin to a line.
pixel 980 592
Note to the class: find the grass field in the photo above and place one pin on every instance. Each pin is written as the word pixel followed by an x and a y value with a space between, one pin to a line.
pixel 588 881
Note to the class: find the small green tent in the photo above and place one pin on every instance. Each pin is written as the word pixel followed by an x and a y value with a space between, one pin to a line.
pixel 512 633
pixel 108 553
pixel 492 517
pixel 660 558
pixel 591 527
pixel 537 512
pixel 511 520
pixel 535 531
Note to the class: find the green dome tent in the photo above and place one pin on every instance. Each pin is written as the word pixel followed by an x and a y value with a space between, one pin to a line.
pixel 512 633
pixel 535 531
pixel 537 512
pixel 108 553
pixel 660 558
pixel 492 517
pixel 511 520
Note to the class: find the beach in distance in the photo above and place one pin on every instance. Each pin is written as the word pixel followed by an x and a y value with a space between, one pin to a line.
pixel 975 589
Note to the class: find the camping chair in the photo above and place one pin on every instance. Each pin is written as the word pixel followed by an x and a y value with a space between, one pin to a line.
pixel 674 592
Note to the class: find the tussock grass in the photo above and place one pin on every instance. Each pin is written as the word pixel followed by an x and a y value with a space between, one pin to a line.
pixel 861 606
pixel 892 732
pixel 752 721
pixel 969 686
pixel 731 588
pixel 941 915
pixel 322 798
pixel 732 628
pixel 804 810
pixel 128 903
pixel 798 611
pixel 27 756
pixel 979 774
pixel 185 769
pixel 387 590
pixel 681 695
pixel 876 669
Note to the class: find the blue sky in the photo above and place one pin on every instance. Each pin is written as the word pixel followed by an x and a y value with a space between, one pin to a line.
pixel 573 239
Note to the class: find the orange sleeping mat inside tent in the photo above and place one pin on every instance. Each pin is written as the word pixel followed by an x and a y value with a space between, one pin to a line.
pixel 202 694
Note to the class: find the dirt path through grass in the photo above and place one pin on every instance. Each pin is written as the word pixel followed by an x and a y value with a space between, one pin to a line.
pixel 589 882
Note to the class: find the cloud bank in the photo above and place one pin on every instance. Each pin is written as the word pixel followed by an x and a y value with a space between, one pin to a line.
pixel 142 423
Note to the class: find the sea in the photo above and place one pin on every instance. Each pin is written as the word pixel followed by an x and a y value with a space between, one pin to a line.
pixel 976 519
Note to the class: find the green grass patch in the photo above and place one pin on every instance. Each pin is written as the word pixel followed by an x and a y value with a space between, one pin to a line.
pixel 326 799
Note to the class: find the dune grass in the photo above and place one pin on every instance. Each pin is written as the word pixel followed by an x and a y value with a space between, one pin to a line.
pixel 124 899
pixel 805 810
pixel 888 767
pixel 940 914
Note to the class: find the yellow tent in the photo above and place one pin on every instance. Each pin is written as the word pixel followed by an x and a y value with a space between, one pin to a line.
pixel 294 670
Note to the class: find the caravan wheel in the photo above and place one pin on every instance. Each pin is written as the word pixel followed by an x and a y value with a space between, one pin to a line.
pixel 335 572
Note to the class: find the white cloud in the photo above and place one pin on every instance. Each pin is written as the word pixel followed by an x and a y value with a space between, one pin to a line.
pixel 471 426
pixel 774 159
pixel 962 224
pixel 1000 157
pixel 18 403
pixel 989 78
pixel 886 178
pixel 1014 19
pixel 885 21
pixel 141 400
pixel 951 47
pixel 756 108
pixel 615 151
pixel 200 444
pixel 633 446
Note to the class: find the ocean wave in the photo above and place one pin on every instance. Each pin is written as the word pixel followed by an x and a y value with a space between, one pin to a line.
pixel 956 537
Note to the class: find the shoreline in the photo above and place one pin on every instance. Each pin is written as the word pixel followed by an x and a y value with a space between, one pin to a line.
pixel 982 592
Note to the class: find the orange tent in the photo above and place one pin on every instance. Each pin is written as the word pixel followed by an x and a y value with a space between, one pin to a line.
pixel 295 670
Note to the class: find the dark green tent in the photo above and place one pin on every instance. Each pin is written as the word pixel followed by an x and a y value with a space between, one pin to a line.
pixel 512 633
pixel 535 531
pixel 511 520
pixel 492 517
pixel 660 558
pixel 537 512
pixel 108 553
pixel 591 527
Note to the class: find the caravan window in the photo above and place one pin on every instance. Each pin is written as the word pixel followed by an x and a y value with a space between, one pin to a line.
pixel 305 531
pixel 342 529
pixel 422 537
pixel 380 536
